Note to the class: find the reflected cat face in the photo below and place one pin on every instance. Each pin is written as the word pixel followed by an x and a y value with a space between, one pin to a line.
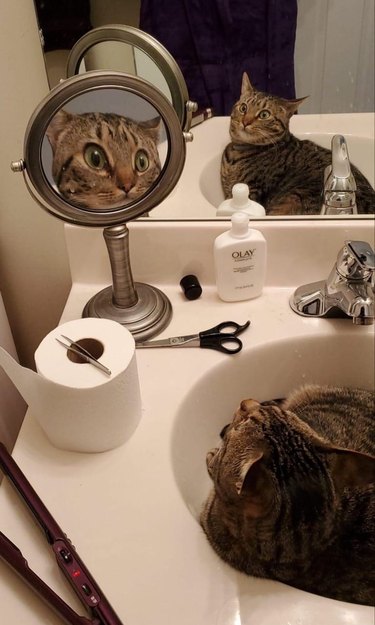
pixel 103 160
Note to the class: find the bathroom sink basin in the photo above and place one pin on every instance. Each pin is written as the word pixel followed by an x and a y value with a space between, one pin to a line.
pixel 265 372
pixel 198 192
pixel 361 151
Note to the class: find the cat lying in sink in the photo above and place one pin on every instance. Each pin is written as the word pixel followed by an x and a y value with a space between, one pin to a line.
pixel 294 493
pixel 284 174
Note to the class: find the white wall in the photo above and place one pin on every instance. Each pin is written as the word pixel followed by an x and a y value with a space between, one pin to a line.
pixel 34 273
pixel 334 57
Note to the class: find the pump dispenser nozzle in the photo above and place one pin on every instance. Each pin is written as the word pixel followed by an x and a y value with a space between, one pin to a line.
pixel 240 224
pixel 240 202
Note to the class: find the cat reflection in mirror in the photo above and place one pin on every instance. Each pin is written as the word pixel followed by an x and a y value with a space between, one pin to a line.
pixel 103 160
pixel 293 494
pixel 284 174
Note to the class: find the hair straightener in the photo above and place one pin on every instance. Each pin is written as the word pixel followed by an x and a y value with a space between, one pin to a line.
pixel 79 577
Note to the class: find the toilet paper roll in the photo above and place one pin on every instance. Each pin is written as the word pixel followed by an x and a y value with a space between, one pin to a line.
pixel 78 406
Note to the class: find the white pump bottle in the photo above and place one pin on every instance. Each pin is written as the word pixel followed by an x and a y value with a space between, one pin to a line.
pixel 240 261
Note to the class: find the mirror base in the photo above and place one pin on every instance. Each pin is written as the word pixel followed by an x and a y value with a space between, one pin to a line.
pixel 149 316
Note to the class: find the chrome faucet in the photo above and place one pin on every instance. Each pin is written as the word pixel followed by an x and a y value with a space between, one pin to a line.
pixel 339 184
pixel 349 288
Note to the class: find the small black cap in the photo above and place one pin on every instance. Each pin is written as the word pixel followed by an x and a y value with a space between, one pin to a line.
pixel 191 287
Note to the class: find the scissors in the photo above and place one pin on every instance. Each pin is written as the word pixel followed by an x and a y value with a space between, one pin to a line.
pixel 68 560
pixel 214 338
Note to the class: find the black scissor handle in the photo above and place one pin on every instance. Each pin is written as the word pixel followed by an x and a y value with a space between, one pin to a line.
pixel 226 342
pixel 220 342
pixel 234 329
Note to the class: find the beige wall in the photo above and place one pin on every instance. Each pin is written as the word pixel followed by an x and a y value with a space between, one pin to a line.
pixel 34 273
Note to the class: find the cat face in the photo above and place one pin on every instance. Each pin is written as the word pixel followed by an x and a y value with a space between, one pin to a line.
pixel 103 160
pixel 258 118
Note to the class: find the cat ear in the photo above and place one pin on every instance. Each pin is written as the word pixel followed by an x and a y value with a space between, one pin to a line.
pixel 350 468
pixel 57 124
pixel 291 106
pixel 152 127
pixel 246 87
pixel 252 485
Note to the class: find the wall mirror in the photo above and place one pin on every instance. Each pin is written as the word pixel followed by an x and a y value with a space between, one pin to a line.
pixel 101 149
pixel 336 71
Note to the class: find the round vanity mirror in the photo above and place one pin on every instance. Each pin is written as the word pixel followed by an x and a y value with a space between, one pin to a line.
pixel 101 149
pixel 127 49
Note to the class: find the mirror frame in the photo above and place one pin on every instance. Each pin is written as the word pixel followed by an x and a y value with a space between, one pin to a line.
pixel 34 174
pixel 154 50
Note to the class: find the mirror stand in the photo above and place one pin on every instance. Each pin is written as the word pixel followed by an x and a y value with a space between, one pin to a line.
pixel 143 309
pixel 121 109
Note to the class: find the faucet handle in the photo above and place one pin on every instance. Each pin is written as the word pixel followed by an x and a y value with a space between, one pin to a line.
pixel 356 261
pixel 363 253
pixel 339 182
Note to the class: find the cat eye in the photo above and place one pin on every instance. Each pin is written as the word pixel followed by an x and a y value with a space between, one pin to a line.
pixel 264 114
pixel 243 108
pixel 95 157
pixel 141 161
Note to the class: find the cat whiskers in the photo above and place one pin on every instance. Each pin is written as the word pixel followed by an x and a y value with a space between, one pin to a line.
pixel 112 200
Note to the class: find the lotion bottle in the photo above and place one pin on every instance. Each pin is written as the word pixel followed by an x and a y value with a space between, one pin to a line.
pixel 240 261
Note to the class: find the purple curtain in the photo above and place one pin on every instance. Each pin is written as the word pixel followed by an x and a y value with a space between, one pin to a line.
pixel 215 41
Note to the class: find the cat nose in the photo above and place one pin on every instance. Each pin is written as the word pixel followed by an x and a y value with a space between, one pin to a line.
pixel 127 186
pixel 125 179
pixel 248 119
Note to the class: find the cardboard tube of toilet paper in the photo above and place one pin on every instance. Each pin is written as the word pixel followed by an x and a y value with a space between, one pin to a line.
pixel 78 406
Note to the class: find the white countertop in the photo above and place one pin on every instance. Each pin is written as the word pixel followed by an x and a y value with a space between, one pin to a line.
pixel 123 509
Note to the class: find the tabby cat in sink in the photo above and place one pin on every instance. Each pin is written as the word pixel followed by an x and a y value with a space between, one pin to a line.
pixel 293 494
pixel 284 174
pixel 103 160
